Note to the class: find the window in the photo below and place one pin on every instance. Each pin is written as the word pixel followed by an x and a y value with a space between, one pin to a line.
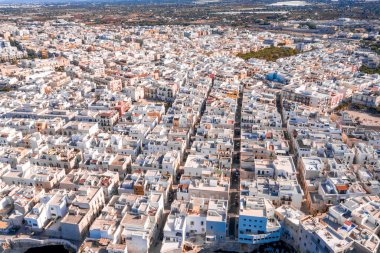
pixel 192 223
pixel 202 223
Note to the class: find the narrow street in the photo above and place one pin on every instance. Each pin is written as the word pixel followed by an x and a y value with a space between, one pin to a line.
pixel 235 172
pixel 291 151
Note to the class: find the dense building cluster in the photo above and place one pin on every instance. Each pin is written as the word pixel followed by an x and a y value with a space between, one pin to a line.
pixel 161 139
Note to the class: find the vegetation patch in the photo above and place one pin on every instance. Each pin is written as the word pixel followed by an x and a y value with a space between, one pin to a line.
pixel 270 53
pixel 371 44
pixel 370 71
